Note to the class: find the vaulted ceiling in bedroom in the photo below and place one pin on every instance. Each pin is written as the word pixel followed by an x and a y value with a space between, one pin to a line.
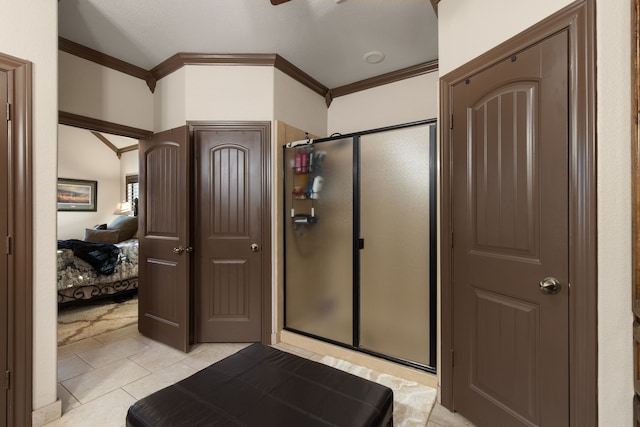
pixel 334 41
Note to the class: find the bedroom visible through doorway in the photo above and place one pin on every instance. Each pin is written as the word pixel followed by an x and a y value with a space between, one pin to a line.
pixel 97 255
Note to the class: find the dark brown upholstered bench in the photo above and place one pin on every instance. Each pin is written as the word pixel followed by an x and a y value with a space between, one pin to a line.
pixel 262 386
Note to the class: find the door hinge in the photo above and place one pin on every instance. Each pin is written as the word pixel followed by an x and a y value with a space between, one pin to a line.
pixel 7 379
pixel 8 112
pixel 9 245
pixel 451 121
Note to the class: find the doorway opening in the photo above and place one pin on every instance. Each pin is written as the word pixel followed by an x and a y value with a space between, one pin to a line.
pixel 97 246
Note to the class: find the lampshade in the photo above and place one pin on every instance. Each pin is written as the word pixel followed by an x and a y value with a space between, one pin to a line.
pixel 123 208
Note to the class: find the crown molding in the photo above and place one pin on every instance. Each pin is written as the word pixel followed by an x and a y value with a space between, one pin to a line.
pixel 90 123
pixel 118 151
pixel 297 74
pixel 383 79
pixel 109 61
pixel 179 60
pixel 434 4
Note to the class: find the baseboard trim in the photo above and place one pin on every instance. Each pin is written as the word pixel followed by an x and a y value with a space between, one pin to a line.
pixel 46 414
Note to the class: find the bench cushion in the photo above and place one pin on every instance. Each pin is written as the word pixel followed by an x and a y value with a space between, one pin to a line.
pixel 262 386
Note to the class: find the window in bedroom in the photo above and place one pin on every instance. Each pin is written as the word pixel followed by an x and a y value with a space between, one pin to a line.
pixel 132 187
pixel 132 192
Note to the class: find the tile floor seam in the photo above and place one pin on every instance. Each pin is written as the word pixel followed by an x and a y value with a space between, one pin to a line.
pixel 132 396
pixel 137 364
pixel 107 391
pixel 86 361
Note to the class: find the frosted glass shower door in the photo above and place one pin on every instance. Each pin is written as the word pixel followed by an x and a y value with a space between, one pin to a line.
pixel 319 255
pixel 394 264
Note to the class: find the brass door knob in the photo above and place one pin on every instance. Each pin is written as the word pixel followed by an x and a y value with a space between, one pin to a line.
pixel 179 250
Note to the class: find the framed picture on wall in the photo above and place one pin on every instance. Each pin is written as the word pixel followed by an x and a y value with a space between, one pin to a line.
pixel 77 195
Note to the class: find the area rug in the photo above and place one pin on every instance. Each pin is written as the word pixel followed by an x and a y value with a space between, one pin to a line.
pixel 412 402
pixel 78 323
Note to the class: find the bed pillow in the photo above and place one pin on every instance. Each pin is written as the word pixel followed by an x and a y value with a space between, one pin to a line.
pixel 101 236
pixel 100 227
pixel 125 225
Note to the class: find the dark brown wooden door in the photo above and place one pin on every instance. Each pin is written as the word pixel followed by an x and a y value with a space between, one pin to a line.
pixel 4 232
pixel 510 232
pixel 229 233
pixel 164 287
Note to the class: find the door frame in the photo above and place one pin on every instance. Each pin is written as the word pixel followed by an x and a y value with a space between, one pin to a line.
pixel 264 127
pixel 635 203
pixel 20 264
pixel 579 19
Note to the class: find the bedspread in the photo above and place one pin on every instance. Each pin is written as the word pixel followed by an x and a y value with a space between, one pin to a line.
pixel 74 272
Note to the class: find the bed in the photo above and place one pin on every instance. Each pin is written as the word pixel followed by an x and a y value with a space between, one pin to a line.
pixel 104 264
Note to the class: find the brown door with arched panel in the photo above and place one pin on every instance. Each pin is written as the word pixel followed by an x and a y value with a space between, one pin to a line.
pixel 232 275
pixel 510 254
pixel 164 262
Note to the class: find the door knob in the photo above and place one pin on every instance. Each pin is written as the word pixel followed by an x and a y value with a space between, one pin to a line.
pixel 255 247
pixel 549 285
pixel 181 249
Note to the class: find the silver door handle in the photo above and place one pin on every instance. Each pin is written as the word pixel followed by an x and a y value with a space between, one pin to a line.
pixel 255 247
pixel 549 285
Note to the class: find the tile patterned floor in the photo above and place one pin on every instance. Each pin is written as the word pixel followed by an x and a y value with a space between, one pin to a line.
pixel 100 377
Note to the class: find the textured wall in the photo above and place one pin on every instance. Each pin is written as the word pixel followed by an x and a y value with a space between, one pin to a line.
pixel 92 90
pixel 395 103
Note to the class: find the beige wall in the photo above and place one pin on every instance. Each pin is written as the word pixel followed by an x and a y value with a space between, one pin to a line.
pixel 92 90
pixel 405 101
pixel 615 353
pixel 169 101
pixel 29 31
pixel 482 26
pixel 299 106
pixel 216 93
pixel 82 156
pixel 229 93
pixel 467 28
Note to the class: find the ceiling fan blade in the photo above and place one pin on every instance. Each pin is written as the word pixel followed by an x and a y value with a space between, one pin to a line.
pixel 277 2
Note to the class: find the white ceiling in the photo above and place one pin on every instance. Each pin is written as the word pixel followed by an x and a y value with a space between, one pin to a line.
pixel 323 38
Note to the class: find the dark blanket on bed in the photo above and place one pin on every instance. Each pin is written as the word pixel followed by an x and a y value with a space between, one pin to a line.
pixel 103 257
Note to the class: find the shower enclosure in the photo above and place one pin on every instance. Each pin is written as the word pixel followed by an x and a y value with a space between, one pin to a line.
pixel 360 243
